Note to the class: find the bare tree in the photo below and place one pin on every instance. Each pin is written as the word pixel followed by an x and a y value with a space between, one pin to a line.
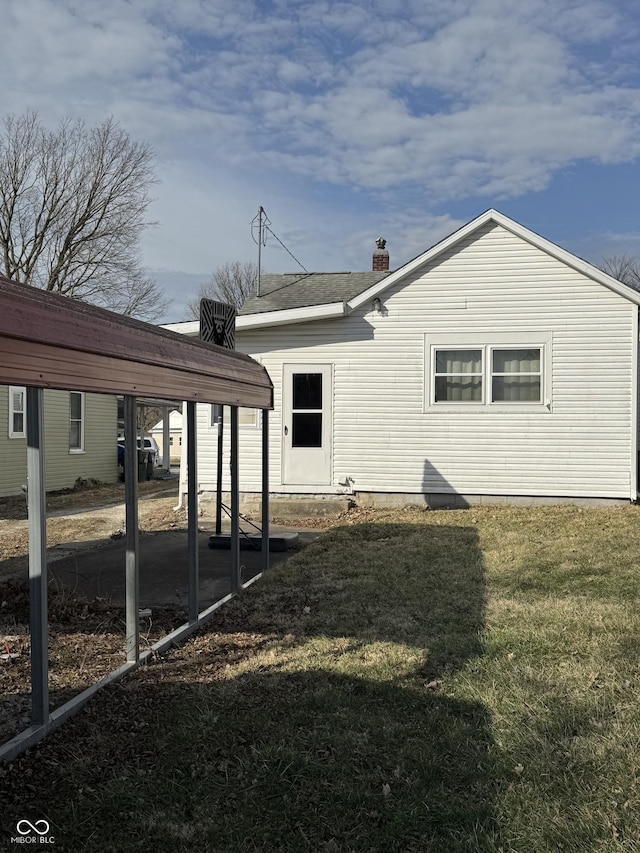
pixel 626 268
pixel 232 282
pixel 72 208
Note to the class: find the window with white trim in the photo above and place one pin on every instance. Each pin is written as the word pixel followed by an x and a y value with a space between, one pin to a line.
pixel 248 418
pixel 516 375
pixel 504 373
pixel 458 376
pixel 76 422
pixel 17 411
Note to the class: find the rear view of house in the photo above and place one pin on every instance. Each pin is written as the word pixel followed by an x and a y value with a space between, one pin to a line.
pixel 495 366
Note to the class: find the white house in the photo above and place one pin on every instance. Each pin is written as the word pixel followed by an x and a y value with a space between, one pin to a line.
pixel 175 434
pixel 494 366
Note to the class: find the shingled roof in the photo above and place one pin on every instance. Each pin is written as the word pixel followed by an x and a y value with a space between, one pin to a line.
pixel 302 290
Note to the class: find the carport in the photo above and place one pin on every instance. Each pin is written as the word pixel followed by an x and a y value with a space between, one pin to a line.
pixel 52 341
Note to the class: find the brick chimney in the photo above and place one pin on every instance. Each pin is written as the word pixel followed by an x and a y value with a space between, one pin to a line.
pixel 380 256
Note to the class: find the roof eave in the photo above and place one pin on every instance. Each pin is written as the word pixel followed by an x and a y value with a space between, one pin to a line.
pixel 265 319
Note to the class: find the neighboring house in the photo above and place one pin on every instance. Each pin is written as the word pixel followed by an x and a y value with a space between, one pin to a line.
pixel 175 435
pixel 494 366
pixel 80 438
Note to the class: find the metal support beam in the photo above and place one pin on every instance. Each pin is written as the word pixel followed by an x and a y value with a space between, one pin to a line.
pixel 219 463
pixel 265 490
pixel 236 579
pixel 192 512
pixel 132 582
pixel 166 439
pixel 36 501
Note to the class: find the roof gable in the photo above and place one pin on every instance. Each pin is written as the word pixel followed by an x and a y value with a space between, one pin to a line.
pixel 515 228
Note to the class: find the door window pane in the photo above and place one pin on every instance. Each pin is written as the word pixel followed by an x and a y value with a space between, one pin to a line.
pixel 307 429
pixel 307 390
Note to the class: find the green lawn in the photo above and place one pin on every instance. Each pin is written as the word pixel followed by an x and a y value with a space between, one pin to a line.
pixel 421 681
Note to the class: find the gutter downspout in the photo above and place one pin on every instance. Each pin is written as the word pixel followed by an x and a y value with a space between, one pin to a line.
pixel 182 478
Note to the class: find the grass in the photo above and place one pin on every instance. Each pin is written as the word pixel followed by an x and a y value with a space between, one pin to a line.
pixel 417 681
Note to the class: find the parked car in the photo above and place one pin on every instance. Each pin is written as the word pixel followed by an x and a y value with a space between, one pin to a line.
pixel 147 443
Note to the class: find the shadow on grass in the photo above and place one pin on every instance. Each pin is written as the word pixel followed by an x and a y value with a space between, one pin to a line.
pixel 307 720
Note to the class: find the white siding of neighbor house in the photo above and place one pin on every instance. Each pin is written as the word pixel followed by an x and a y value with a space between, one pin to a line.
pixel 98 461
pixel 385 436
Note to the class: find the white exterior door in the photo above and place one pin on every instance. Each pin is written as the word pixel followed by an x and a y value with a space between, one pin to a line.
pixel 306 424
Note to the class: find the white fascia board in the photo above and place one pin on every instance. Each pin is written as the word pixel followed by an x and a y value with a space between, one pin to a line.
pixel 327 311
pixel 566 257
pixel 510 225
pixel 189 327
pixel 269 318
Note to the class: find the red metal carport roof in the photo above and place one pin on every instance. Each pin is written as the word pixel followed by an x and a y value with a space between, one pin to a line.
pixel 53 341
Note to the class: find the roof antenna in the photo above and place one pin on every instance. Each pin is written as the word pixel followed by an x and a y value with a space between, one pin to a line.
pixel 259 224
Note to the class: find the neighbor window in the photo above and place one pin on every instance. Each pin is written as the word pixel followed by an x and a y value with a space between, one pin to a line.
pixel 246 417
pixel 17 411
pixel 76 421
pixel 249 417
pixel 504 372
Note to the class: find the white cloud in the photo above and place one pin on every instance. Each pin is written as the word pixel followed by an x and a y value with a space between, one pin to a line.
pixel 341 113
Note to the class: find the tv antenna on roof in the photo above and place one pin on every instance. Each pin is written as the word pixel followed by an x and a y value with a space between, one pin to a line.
pixel 259 225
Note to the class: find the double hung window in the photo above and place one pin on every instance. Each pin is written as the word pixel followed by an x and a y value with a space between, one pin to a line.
pixel 17 411
pixel 487 374
pixel 246 417
pixel 76 421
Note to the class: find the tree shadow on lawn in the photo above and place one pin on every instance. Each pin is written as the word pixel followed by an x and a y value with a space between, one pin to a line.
pixel 311 715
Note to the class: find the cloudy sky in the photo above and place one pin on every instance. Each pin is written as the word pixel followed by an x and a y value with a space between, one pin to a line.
pixel 348 120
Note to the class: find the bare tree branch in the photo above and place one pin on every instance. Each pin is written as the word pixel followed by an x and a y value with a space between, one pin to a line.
pixel 231 282
pixel 626 268
pixel 72 209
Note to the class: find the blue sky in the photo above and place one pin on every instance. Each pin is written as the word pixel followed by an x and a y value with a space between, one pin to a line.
pixel 348 120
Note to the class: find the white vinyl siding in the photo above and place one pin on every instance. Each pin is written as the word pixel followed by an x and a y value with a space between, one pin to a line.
pixel 494 289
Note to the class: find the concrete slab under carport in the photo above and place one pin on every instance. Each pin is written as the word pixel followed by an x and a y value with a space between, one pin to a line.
pixel 99 572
